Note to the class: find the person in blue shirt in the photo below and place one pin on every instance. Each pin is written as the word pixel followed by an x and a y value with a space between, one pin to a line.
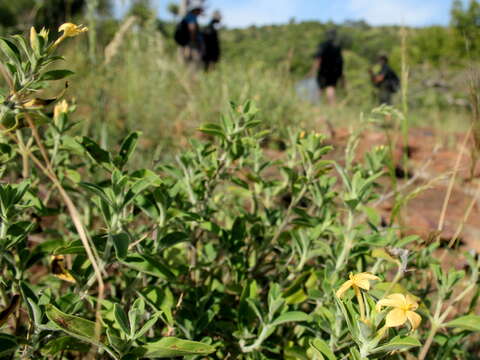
pixel 193 51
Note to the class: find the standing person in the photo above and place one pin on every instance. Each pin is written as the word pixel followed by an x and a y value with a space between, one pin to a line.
pixel 329 65
pixel 189 36
pixel 385 79
pixel 212 42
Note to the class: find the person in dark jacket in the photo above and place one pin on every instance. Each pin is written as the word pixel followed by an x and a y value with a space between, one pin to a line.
pixel 385 80
pixel 211 41
pixel 329 66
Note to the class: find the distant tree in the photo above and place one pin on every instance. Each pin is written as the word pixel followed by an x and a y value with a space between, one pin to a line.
pixel 174 9
pixel 432 45
pixel 466 22
pixel 21 14
pixel 357 24
pixel 143 10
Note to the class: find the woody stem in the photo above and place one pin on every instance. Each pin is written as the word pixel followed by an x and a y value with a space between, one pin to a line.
pixel 361 304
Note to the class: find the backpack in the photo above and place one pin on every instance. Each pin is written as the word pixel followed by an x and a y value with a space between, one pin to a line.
pixel 182 35
pixel 393 82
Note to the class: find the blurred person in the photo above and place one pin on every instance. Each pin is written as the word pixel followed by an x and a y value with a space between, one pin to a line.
pixel 328 65
pixel 385 80
pixel 212 42
pixel 189 36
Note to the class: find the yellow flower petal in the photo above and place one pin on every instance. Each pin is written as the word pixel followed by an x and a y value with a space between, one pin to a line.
pixel 44 33
pixel 395 318
pixel 70 30
pixel 60 108
pixel 363 284
pixel 393 300
pixel 411 303
pixel 398 297
pixel 366 276
pixel 33 37
pixel 414 319
pixel 346 285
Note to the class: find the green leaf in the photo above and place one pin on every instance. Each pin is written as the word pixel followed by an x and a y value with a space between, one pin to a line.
pixel 97 190
pixel 126 149
pixel 115 341
pixel 147 265
pixel 32 303
pixel 373 215
pixel 355 355
pixel 173 347
pixel 8 344
pixel 291 316
pixel 212 129
pixel 98 155
pixel 147 326
pixel 139 186
pixel 295 353
pixel 65 343
pixel 323 347
pixel 10 50
pixel 136 311
pixel 173 239
pixel 120 243
pixel 56 75
pixel 121 319
pixel 75 326
pixel 398 344
pixel 468 322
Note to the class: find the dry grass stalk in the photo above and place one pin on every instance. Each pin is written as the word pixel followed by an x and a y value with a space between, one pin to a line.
pixel 76 218
pixel 112 48
pixel 465 218
pixel 475 106
pixel 448 195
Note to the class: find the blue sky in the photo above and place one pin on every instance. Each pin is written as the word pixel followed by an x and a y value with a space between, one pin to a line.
pixel 240 13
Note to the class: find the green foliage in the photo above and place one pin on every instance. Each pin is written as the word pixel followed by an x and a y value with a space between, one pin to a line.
pixel 21 14
pixel 221 252
pixel 466 21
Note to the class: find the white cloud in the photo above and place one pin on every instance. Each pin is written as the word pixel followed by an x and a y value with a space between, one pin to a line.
pixel 400 12
pixel 256 12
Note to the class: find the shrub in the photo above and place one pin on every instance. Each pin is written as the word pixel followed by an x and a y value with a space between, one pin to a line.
pixel 222 253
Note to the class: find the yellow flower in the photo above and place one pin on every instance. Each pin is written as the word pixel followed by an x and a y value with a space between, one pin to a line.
pixel 60 108
pixel 44 33
pixel 356 281
pixel 403 310
pixel 37 103
pixel 71 30
pixel 33 38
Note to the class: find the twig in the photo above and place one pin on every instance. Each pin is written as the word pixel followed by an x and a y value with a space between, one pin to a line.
pixel 76 218
pixel 146 235
pixel 465 217
pixel 441 221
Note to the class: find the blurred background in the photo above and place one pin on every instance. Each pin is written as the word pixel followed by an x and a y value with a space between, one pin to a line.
pixel 129 75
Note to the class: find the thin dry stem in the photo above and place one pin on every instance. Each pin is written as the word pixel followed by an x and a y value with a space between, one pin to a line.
pixel 112 48
pixel 76 218
pixel 441 221
pixel 465 218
